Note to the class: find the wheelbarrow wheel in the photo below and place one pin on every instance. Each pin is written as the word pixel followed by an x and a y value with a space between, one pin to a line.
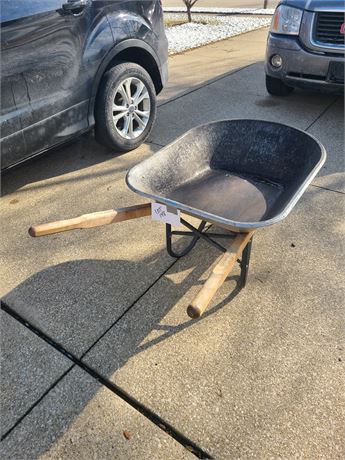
pixel 125 107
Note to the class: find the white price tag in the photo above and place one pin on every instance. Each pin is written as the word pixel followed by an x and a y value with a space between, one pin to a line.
pixel 165 214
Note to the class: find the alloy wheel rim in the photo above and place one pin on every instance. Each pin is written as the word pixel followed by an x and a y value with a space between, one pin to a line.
pixel 131 108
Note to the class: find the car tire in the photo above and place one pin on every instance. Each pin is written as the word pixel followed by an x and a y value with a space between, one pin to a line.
pixel 125 107
pixel 277 87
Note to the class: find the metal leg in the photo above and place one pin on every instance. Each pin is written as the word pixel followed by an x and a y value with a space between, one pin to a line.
pixel 195 234
pixel 189 247
pixel 202 235
pixel 245 263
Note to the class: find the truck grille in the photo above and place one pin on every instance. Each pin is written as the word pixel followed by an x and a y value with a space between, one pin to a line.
pixel 328 27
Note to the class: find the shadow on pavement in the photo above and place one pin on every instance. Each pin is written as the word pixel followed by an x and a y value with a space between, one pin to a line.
pixel 78 154
pixel 72 302
pixel 90 287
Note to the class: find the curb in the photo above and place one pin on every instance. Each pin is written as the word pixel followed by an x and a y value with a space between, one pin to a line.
pixel 249 11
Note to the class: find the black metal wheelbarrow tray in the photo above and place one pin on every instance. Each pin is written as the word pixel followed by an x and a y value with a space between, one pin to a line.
pixel 239 175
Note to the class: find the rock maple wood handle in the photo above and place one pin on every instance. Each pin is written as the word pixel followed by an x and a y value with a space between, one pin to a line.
pixel 94 219
pixel 218 275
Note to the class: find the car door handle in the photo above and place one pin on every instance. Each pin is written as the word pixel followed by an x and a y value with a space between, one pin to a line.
pixel 75 6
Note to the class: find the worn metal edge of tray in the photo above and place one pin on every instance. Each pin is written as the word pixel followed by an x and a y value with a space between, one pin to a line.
pixel 241 226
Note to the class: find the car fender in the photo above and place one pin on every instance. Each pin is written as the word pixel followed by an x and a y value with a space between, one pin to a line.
pixel 111 56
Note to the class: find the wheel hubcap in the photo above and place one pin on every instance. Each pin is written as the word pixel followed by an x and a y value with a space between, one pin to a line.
pixel 131 108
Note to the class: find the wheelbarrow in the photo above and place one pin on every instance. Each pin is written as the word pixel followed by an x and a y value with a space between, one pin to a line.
pixel 238 175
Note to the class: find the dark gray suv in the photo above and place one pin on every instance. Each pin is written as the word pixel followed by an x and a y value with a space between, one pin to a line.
pixel 305 46
pixel 68 65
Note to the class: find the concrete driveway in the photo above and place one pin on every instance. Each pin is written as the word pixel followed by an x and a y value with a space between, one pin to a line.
pixel 99 359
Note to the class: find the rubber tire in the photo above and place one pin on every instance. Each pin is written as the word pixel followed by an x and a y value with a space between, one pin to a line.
pixel 105 131
pixel 277 87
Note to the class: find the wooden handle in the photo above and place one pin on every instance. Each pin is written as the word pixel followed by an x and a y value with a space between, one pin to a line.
pixel 218 275
pixel 94 219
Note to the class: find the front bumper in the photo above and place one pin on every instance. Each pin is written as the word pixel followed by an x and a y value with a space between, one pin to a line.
pixel 301 68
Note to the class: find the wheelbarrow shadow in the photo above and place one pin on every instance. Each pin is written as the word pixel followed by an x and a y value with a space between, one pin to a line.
pixel 76 304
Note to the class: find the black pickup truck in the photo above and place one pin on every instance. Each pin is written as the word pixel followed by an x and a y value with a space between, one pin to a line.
pixel 305 46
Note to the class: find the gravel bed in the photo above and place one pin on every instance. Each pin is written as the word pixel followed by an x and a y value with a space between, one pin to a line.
pixel 255 11
pixel 193 35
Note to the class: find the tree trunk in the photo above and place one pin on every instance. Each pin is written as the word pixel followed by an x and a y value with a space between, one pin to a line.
pixel 189 14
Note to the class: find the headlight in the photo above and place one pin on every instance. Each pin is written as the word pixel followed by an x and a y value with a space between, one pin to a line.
pixel 286 20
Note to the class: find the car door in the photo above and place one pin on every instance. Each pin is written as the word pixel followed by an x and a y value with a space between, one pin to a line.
pixel 14 100
pixel 44 43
